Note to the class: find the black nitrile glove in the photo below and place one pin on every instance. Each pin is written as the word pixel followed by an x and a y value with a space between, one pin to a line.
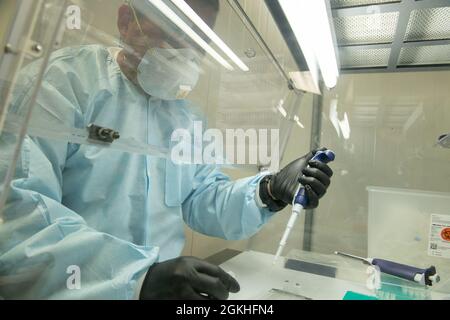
pixel 187 279
pixel 277 191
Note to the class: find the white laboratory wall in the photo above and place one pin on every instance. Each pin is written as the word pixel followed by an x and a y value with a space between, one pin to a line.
pixel 394 121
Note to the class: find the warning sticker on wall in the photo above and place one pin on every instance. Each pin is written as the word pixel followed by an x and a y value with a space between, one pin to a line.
pixel 439 245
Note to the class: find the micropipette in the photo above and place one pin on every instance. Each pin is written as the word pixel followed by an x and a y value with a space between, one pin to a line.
pixel 300 201
pixel 422 276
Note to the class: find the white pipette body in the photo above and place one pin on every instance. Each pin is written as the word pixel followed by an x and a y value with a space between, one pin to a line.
pixel 297 210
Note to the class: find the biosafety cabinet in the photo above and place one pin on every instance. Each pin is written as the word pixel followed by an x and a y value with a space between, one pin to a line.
pixel 266 82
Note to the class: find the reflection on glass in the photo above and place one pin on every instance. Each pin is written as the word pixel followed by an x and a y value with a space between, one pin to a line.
pixel 394 120
pixel 96 197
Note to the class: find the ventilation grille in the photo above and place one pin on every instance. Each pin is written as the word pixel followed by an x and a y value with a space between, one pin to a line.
pixel 429 24
pixel 375 36
pixel 364 58
pixel 427 55
pixel 366 29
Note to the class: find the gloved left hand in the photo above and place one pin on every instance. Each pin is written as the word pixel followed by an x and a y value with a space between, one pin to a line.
pixel 187 278
pixel 277 191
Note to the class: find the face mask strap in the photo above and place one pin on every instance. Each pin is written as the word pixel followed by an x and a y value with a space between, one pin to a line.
pixel 130 5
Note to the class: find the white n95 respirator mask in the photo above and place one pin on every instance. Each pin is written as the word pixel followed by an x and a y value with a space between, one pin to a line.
pixel 169 74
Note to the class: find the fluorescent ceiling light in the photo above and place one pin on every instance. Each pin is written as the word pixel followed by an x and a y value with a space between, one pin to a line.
pixel 345 127
pixel 172 16
pixel 334 116
pixel 281 109
pixel 191 14
pixel 310 23
pixel 340 126
pixel 297 120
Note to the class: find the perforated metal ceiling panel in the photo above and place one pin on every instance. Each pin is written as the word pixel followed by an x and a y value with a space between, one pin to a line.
pixel 354 3
pixel 429 24
pixel 427 55
pixel 382 35
pixel 359 58
pixel 397 36
pixel 366 29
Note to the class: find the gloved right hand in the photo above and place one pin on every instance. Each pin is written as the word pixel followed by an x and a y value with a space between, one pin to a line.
pixel 278 190
pixel 187 278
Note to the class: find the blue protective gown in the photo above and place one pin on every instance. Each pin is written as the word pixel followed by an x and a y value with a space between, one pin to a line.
pixel 110 213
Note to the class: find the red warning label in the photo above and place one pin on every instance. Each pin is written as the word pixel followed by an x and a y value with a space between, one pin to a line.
pixel 445 234
pixel 439 244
